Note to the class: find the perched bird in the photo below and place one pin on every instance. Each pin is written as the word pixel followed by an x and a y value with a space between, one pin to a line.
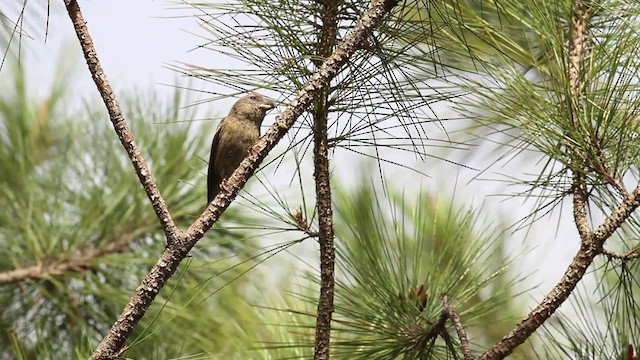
pixel 237 132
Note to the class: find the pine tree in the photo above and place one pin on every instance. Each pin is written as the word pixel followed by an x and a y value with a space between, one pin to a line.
pixel 417 274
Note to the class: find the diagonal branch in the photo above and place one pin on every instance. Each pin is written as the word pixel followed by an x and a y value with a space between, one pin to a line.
pixel 576 270
pixel 179 243
pixel 117 119
pixel 309 91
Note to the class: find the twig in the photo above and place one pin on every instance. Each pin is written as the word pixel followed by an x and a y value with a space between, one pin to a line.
pixel 179 244
pixel 631 255
pixel 437 328
pixel 604 170
pixel 457 323
pixel 428 339
pixel 303 225
pixel 119 124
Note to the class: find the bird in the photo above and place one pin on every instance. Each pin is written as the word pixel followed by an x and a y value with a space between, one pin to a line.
pixel 235 135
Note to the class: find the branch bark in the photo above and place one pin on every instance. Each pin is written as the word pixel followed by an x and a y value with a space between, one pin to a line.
pixel 626 257
pixel 179 243
pixel 578 50
pixel 326 41
pixel 457 323
pixel 117 119
pixel 576 270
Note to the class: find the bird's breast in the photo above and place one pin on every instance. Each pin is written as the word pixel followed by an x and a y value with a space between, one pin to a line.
pixel 236 139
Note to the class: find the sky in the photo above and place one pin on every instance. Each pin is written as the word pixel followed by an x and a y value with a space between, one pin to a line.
pixel 136 40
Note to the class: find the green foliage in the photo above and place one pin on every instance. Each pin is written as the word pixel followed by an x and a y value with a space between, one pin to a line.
pixel 589 125
pixel 69 197
pixel 531 105
pixel 382 98
pixel 398 260
pixel 470 32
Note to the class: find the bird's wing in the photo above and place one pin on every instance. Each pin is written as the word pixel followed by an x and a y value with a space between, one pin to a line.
pixel 213 178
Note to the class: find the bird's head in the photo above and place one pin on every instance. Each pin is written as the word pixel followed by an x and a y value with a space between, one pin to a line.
pixel 252 107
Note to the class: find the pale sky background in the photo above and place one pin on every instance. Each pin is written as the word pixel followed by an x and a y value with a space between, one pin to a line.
pixel 135 40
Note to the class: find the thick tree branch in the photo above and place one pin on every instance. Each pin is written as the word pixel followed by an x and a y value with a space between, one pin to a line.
pixel 325 225
pixel 325 44
pixel 179 243
pixel 117 119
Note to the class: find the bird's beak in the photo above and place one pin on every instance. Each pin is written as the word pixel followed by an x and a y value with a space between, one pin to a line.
pixel 268 104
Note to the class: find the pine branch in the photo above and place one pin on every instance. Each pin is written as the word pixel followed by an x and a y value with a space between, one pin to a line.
pixel 119 124
pixel 179 244
pixel 579 49
pixel 592 241
pixel 576 270
pixel 79 262
pixel 631 255
pixel 325 43
pixel 457 323
pixel 326 236
pixel 580 203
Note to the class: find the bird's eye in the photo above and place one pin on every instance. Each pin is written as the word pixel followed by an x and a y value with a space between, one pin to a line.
pixel 253 97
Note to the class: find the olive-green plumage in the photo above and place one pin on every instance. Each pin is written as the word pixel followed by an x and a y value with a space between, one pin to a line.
pixel 235 135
